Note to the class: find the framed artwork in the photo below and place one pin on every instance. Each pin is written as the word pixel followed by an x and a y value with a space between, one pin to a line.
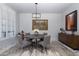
pixel 71 21
pixel 40 24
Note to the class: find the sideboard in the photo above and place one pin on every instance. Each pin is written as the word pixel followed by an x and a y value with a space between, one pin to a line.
pixel 70 40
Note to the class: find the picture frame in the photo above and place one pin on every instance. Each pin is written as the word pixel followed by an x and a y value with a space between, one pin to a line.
pixel 71 21
pixel 41 24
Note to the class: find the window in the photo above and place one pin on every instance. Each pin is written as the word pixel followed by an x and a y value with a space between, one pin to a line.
pixel 7 23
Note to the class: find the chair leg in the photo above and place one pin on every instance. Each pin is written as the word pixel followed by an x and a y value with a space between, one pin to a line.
pixel 46 49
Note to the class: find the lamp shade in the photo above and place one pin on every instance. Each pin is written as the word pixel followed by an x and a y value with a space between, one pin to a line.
pixel 36 30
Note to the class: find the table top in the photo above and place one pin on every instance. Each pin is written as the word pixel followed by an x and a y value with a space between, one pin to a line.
pixel 35 36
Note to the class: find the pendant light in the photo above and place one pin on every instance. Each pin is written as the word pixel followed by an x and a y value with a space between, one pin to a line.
pixel 36 14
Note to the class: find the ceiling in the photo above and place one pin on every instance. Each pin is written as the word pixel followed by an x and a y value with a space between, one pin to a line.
pixel 41 7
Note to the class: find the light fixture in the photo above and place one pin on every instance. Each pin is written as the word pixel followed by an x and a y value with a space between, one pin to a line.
pixel 36 31
pixel 36 9
pixel 36 15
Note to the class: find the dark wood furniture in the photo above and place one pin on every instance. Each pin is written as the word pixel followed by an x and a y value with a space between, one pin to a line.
pixel 70 40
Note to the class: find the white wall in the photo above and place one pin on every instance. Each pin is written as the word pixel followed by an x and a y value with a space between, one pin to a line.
pixel 67 11
pixel 54 23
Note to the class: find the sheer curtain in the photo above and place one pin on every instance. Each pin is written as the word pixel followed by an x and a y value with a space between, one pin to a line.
pixel 7 22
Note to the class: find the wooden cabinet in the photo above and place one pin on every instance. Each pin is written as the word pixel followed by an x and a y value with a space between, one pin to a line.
pixel 70 40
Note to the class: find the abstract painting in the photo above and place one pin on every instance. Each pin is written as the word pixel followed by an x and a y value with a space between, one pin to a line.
pixel 41 24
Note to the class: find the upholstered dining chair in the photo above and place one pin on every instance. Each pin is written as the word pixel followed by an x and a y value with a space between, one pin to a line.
pixel 22 43
pixel 46 42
